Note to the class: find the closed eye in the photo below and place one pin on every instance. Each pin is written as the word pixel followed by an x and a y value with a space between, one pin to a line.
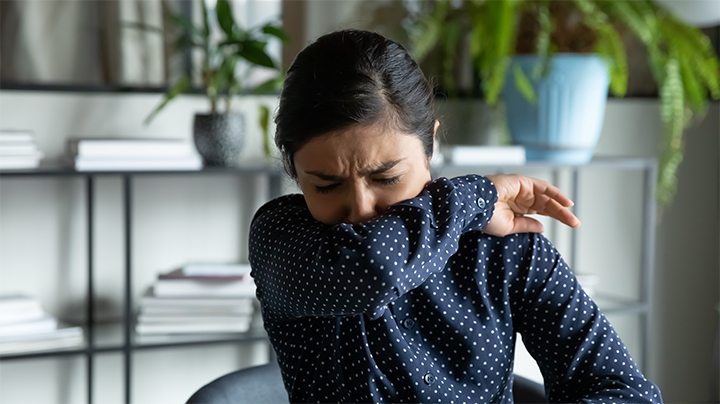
pixel 388 181
pixel 325 189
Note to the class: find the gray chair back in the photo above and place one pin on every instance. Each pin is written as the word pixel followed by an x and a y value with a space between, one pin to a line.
pixel 264 385
pixel 259 384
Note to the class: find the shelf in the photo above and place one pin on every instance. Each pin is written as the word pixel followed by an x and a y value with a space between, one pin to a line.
pixel 262 167
pixel 62 170
pixel 109 337
pixel 600 162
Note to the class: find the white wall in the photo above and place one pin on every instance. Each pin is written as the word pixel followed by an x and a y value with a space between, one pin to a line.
pixel 42 243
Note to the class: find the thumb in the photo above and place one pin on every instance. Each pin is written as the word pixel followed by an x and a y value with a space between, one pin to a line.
pixel 524 224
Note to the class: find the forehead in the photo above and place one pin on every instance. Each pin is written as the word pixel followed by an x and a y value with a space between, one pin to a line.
pixel 357 148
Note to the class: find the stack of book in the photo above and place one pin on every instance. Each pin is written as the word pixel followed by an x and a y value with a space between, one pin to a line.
pixel 198 298
pixel 480 155
pixel 18 150
pixel 133 154
pixel 24 326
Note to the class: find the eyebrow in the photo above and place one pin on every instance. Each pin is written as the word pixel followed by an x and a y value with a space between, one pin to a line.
pixel 386 166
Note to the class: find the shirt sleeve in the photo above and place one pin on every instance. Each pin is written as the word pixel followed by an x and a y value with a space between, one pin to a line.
pixel 581 357
pixel 303 267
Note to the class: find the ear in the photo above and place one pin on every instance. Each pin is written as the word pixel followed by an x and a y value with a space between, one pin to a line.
pixel 437 125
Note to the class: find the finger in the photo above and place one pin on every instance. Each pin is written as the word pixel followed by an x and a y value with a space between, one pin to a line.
pixel 545 188
pixel 551 207
pixel 526 224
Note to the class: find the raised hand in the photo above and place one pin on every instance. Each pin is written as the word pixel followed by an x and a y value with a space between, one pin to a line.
pixel 519 196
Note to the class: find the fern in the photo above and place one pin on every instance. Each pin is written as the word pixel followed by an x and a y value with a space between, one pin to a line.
pixel 680 57
pixel 451 39
pixel 501 18
pixel 543 39
pixel 425 32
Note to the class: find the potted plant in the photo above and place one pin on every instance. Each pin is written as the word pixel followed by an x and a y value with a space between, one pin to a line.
pixel 539 53
pixel 218 135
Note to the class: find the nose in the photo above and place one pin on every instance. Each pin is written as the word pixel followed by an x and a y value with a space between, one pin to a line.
pixel 361 205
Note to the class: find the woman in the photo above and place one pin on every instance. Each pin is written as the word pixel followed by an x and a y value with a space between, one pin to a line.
pixel 378 284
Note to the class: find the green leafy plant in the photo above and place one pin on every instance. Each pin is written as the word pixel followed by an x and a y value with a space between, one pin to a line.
pixel 681 57
pixel 221 54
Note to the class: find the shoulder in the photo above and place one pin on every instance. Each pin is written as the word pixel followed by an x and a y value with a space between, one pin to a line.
pixel 286 203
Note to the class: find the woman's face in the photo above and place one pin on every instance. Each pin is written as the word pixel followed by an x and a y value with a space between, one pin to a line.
pixel 354 174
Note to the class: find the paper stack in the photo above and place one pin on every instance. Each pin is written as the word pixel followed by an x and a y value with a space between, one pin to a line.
pixel 18 150
pixel 199 299
pixel 133 154
pixel 24 326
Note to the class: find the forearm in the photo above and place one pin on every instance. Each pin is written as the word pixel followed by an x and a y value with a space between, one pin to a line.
pixel 303 267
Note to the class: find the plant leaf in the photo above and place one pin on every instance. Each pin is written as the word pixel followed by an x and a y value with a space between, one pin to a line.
pixel 186 41
pixel 672 112
pixel 523 85
pixel 277 32
pixel 451 39
pixel 501 20
pixel 142 26
pixel 273 85
pixel 254 52
pixel 225 17
pixel 426 31
pixel 178 88
pixel 184 22
pixel 206 21
pixel 264 116
pixel 543 40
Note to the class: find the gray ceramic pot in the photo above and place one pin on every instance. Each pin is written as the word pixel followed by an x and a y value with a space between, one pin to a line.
pixel 219 138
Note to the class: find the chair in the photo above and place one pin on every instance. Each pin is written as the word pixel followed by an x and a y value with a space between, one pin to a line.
pixel 263 385
pixel 259 384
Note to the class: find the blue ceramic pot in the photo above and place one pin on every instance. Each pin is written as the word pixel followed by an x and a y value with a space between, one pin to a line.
pixel 564 125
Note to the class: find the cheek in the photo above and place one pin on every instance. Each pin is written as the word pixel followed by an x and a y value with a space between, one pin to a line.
pixel 401 192
pixel 323 208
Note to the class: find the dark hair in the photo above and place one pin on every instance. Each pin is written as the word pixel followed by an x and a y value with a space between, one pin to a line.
pixel 352 77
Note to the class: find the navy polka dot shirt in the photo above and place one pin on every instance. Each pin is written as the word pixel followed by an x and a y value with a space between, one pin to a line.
pixel 418 305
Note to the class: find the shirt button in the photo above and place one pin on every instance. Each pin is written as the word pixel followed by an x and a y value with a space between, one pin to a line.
pixel 429 378
pixel 408 323
pixel 481 203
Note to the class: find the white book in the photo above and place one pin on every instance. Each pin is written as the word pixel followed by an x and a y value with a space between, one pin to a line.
pixel 193 288
pixel 18 149
pixel 40 326
pixel 22 315
pixel 12 136
pixel 149 301
pixel 483 155
pixel 192 311
pixel 21 162
pixel 56 339
pixel 153 318
pixel 186 163
pixel 15 302
pixel 130 148
pixel 192 328
pixel 211 269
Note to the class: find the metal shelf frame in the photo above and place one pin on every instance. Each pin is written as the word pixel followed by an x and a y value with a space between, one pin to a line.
pixel 640 307
pixel 90 348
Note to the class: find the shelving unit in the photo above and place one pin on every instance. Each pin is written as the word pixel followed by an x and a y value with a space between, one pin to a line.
pixel 119 337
